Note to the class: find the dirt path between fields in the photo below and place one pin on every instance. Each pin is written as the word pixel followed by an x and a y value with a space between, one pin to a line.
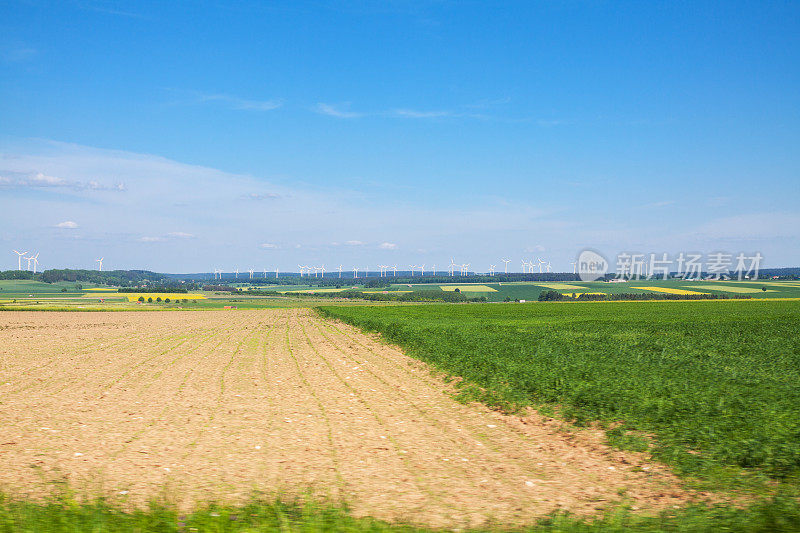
pixel 217 405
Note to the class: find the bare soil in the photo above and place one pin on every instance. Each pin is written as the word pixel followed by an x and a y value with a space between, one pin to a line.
pixel 217 405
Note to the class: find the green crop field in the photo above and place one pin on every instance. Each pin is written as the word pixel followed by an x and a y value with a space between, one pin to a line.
pixel 717 383
pixel 529 291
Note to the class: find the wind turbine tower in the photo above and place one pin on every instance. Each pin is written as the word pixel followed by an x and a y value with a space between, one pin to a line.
pixel 19 259
pixel 35 261
pixel 101 263
pixel 506 261
pixel 452 267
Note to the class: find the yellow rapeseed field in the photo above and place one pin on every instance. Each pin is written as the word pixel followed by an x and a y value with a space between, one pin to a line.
pixel 467 288
pixel 668 290
pixel 560 286
pixel 733 288
pixel 134 296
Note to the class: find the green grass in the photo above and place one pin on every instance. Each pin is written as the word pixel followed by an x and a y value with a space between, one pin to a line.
pixel 716 382
pixel 65 515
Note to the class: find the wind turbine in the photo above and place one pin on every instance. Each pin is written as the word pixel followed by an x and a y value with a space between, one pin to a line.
pixel 412 267
pixel 265 273
pixel 276 272
pixel 525 266
pixel 394 269
pixel 322 269
pixel 548 266
pixel 491 270
pixel 101 263
pixel 574 266
pixel 422 269
pixel 355 272
pixel 434 269
pixel 237 272
pixel 452 266
pixel 301 269
pixel 506 261
pixel 340 271
pixel 19 259
pixel 540 264
pixel 35 259
pixel 465 269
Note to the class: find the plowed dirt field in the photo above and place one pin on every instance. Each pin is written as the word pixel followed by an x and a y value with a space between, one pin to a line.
pixel 214 405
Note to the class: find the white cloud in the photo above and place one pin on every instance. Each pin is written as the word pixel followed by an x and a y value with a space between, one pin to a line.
pixel 269 245
pixel 261 196
pixel 172 235
pixel 163 195
pixel 38 179
pixel 387 246
pixel 67 224
pixel 242 104
pixel 412 113
pixel 333 111
pixel 663 203
pixel 535 249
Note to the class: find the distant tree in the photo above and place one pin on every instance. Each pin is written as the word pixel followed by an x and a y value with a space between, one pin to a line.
pixel 158 299
pixel 764 289
pixel 63 289
pixel 150 300
pixel 457 290
pixel 141 298
pixel 166 300
pixel 549 296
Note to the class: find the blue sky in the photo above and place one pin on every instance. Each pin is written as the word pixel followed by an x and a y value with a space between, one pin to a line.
pixel 184 136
